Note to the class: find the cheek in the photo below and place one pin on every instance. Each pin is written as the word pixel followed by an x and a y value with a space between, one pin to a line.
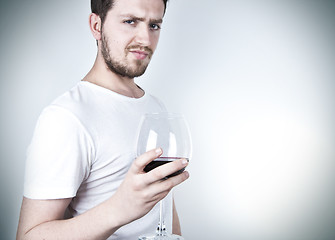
pixel 119 37
pixel 118 45
pixel 154 41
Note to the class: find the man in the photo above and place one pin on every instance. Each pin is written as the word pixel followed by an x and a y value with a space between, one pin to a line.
pixel 81 157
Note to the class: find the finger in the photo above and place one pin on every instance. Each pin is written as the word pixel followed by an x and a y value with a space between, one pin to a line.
pixel 156 198
pixel 166 185
pixel 157 191
pixel 166 170
pixel 141 161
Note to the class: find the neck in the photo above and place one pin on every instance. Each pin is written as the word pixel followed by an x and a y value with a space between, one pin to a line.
pixel 102 76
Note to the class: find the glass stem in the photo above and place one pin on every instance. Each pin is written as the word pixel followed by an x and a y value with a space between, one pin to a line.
pixel 161 229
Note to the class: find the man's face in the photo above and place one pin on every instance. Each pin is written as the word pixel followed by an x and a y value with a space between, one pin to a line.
pixel 130 35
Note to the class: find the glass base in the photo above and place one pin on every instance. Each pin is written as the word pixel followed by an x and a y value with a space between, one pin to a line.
pixel 160 237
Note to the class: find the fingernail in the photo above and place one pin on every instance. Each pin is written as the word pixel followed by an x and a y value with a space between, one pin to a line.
pixel 187 174
pixel 184 161
pixel 158 150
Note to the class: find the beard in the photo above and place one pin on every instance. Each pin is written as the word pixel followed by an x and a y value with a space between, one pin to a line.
pixel 124 68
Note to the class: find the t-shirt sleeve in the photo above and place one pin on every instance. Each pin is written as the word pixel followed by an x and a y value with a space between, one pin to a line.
pixel 59 156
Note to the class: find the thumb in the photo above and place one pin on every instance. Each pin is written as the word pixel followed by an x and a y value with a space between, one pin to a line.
pixel 147 157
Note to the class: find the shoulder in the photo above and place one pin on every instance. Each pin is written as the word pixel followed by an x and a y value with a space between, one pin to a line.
pixel 78 96
pixel 77 104
pixel 153 100
pixel 66 114
pixel 56 123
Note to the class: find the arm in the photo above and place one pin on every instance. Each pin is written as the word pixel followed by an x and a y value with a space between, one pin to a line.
pixel 175 223
pixel 43 219
pixel 136 196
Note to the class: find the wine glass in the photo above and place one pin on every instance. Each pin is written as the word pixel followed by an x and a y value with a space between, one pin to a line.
pixel 170 132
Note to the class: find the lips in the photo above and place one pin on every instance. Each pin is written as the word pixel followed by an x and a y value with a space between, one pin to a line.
pixel 139 54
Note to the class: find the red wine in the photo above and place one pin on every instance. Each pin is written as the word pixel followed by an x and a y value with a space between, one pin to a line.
pixel 161 161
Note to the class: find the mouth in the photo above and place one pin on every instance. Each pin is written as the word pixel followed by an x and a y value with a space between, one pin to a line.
pixel 140 55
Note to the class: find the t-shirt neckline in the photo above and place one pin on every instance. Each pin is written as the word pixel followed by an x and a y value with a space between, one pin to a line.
pixel 112 93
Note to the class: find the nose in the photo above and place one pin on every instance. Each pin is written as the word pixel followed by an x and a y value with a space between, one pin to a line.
pixel 142 37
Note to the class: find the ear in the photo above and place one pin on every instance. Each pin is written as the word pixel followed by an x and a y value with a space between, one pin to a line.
pixel 95 25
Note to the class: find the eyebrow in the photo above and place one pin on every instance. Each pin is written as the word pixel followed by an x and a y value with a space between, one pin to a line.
pixel 160 20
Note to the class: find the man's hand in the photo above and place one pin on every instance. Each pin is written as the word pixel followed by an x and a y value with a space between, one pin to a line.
pixel 140 191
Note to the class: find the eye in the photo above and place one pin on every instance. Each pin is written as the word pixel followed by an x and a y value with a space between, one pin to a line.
pixel 130 22
pixel 155 26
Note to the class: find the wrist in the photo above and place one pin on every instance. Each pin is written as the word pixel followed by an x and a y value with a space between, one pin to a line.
pixel 116 214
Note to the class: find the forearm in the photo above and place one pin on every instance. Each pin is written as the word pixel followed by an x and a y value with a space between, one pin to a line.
pixel 175 223
pixel 96 224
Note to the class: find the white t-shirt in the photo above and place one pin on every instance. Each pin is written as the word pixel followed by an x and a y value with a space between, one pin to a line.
pixel 82 147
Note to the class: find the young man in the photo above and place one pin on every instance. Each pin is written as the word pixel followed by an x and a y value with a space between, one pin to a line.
pixel 81 157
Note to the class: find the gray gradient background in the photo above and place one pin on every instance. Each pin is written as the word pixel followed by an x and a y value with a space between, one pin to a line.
pixel 255 79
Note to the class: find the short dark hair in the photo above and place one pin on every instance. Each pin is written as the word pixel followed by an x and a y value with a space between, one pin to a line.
pixel 101 7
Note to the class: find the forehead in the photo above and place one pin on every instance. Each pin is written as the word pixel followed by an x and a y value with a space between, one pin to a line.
pixel 138 8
